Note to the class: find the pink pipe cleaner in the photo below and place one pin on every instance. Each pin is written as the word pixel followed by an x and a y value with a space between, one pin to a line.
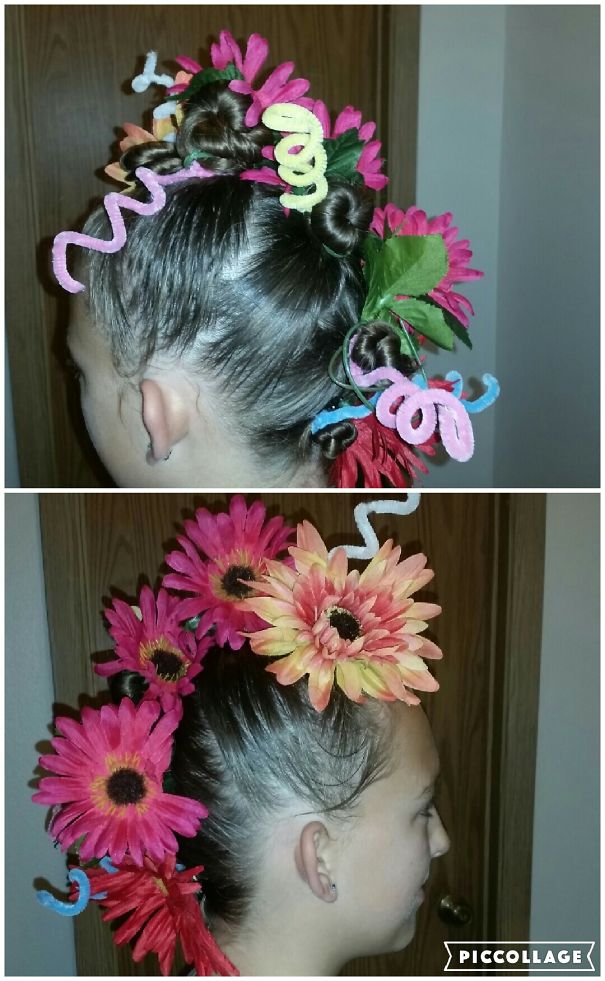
pixel 113 202
pixel 438 408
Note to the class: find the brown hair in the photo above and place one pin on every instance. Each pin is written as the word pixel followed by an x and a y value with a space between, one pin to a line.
pixel 221 278
pixel 248 746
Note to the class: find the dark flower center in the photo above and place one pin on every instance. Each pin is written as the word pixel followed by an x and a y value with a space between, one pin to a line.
pixel 168 665
pixel 125 786
pixel 231 584
pixel 346 625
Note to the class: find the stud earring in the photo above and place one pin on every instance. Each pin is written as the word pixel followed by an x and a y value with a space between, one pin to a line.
pixel 150 456
pixel 333 887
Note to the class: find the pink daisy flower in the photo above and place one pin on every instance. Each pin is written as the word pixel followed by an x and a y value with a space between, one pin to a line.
pixel 369 163
pixel 275 88
pixel 358 630
pixel 160 907
pixel 222 554
pixel 415 222
pixel 156 646
pixel 109 785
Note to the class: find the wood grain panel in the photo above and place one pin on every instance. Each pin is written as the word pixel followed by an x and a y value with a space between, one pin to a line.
pixel 487 552
pixel 518 645
pixel 68 92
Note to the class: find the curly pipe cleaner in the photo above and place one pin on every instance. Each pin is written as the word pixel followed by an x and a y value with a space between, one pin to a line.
pixel 65 908
pixel 362 520
pixel 438 409
pixel 488 398
pixel 113 202
pixel 79 877
pixel 308 165
pixel 492 386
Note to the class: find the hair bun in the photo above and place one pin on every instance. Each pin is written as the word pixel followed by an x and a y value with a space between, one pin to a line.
pixel 377 346
pixel 335 439
pixel 342 218
pixel 214 122
pixel 127 684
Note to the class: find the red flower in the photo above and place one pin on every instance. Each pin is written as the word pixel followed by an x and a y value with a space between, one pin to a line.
pixel 379 452
pixel 163 908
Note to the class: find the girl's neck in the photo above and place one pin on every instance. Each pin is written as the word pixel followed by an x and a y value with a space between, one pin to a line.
pixel 277 951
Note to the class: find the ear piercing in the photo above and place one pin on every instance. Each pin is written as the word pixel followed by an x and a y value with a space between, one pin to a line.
pixel 150 454
pixel 333 887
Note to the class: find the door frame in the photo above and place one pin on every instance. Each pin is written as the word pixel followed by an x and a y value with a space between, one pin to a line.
pixel 516 651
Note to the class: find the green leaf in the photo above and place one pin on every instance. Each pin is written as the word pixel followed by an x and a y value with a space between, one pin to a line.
pixel 427 320
pixel 408 264
pixel 343 154
pixel 405 344
pixel 206 77
pixel 372 246
pixel 453 323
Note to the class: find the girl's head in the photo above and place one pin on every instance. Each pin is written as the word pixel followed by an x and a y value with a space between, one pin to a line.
pixel 205 343
pixel 299 800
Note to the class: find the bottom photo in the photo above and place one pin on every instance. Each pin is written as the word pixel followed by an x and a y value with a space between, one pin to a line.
pixel 302 734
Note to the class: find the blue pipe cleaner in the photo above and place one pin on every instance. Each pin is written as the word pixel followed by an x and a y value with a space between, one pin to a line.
pixel 64 908
pixel 488 398
pixel 60 906
pixel 329 416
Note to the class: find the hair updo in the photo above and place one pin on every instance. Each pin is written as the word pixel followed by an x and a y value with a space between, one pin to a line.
pixel 244 295
pixel 248 747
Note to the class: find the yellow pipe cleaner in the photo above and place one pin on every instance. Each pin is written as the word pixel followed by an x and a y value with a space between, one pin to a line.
pixel 296 169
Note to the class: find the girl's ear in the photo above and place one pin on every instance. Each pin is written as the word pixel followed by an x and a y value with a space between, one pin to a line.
pixel 311 860
pixel 164 417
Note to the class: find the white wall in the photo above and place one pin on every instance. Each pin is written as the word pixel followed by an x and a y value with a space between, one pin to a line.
pixel 37 941
pixel 548 309
pixel 458 170
pixel 508 141
pixel 566 859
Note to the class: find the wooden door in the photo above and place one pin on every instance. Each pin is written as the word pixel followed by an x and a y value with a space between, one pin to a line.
pixel 68 91
pixel 487 552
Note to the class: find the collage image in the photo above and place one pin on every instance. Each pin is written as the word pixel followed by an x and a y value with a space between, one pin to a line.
pixel 302 490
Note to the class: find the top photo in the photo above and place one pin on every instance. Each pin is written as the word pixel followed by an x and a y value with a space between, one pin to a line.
pixel 302 246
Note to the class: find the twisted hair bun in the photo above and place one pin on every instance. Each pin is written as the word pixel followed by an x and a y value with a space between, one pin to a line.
pixel 341 220
pixel 213 123
pixel 335 439
pixel 376 346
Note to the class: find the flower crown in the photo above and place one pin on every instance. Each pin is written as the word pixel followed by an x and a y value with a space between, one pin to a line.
pixel 411 264
pixel 111 791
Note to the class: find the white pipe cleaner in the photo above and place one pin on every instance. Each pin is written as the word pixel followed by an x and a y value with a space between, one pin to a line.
pixel 362 520
pixel 142 82
pixel 148 76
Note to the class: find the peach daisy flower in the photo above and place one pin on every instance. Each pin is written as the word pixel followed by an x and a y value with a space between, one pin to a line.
pixel 358 630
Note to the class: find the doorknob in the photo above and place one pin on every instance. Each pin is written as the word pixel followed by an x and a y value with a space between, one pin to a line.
pixel 456 912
